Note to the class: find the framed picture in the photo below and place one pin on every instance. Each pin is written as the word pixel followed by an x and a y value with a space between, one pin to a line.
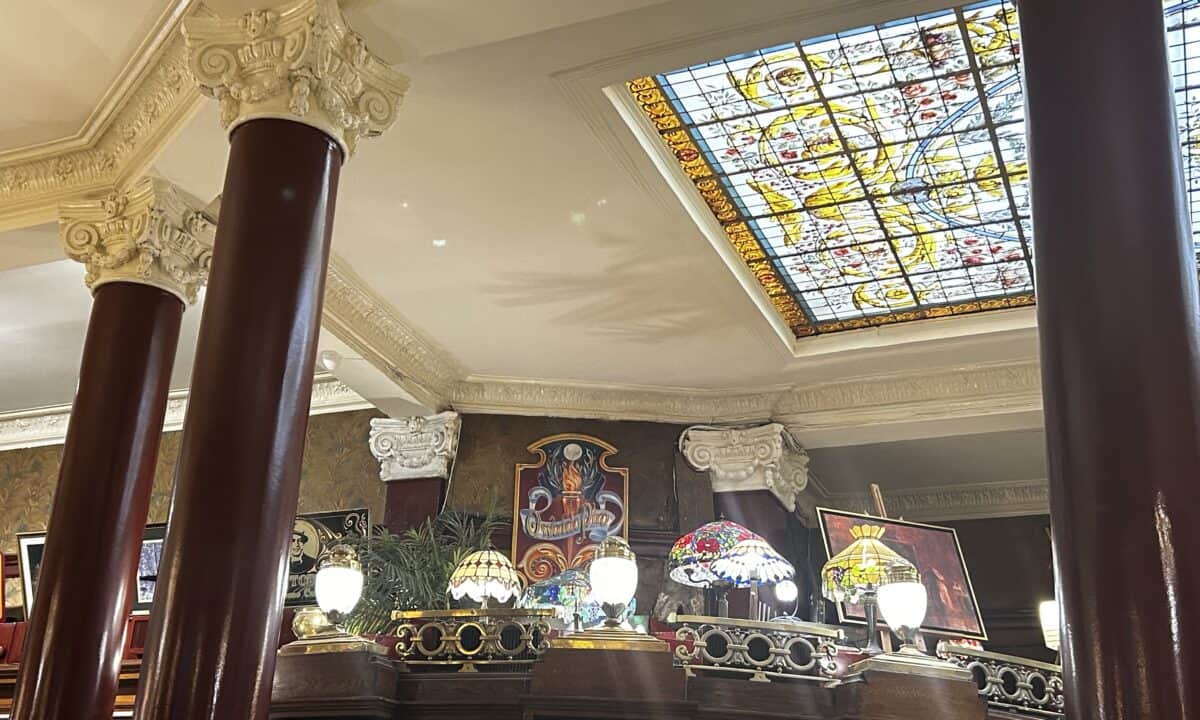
pixel 312 534
pixel 953 609
pixel 29 554
pixel 31 546
pixel 565 504
pixel 147 571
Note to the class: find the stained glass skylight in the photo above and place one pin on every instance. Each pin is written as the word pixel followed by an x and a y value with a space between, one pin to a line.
pixel 868 177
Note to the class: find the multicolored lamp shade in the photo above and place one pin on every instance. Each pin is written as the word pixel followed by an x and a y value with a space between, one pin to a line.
pixel 567 593
pixel 484 575
pixel 752 562
pixel 863 566
pixel 691 557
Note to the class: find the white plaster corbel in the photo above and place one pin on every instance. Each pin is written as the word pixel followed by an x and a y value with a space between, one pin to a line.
pixel 744 459
pixel 415 447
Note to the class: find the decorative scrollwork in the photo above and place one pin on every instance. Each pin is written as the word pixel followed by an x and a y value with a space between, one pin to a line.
pixel 1011 683
pixel 472 639
pixel 763 650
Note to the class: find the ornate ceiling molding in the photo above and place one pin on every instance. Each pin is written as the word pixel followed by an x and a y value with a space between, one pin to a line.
pixel 954 502
pixel 154 234
pixel 157 96
pixel 48 426
pixel 299 62
pixel 415 447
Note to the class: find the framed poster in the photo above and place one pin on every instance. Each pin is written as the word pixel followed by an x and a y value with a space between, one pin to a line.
pixel 312 534
pixel 31 546
pixel 953 609
pixel 29 554
pixel 565 504
pixel 147 572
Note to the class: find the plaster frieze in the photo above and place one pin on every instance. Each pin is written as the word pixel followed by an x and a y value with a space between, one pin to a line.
pixel 48 425
pixel 954 502
pixel 299 61
pixel 745 459
pixel 154 234
pixel 415 447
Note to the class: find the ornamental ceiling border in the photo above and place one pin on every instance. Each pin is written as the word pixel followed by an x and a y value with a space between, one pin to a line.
pixel 151 99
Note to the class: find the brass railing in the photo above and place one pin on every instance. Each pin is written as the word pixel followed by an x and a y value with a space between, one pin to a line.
pixel 1011 683
pixel 761 650
pixel 470 640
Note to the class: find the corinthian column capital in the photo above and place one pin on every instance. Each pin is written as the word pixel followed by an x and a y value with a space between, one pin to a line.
pixel 153 234
pixel 299 62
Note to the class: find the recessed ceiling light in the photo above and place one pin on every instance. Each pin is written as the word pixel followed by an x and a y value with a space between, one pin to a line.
pixel 404 205
pixel 439 242
pixel 601 202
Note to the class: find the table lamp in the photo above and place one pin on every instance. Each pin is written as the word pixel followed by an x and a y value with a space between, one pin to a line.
pixel 691 557
pixel 1048 615
pixel 856 573
pixel 485 575
pixel 339 586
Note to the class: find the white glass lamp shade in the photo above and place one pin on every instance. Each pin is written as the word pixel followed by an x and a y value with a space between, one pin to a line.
pixel 483 575
pixel 614 580
pixel 903 605
pixel 339 583
pixel 1048 614
pixel 786 591
pixel 751 562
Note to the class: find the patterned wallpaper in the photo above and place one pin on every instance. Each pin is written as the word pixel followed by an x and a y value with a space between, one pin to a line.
pixel 339 473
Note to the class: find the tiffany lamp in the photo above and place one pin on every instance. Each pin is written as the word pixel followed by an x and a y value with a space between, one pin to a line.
pixel 482 575
pixel 857 572
pixel 691 557
pixel 750 563
pixel 567 593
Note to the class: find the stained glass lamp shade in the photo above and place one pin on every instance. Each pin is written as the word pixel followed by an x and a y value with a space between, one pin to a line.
pixel 691 557
pixel 752 562
pixel 864 565
pixel 484 575
pixel 566 593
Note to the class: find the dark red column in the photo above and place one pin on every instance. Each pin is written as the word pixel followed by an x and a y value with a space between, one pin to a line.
pixel 213 631
pixel 72 657
pixel 410 503
pixel 1117 314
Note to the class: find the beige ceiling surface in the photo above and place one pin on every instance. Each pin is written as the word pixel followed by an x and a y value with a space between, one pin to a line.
pixel 59 57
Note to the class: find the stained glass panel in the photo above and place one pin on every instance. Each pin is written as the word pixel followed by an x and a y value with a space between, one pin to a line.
pixel 870 176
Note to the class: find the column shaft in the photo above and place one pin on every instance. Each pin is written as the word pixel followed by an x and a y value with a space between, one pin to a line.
pixel 211 647
pixel 70 665
pixel 1117 313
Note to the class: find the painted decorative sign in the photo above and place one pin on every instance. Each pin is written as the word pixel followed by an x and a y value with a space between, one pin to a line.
pixel 566 504
pixel 312 535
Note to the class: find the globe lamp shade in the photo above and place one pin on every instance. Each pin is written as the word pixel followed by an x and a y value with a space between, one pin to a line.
pixel 339 582
pixel 614 576
pixel 903 605
pixel 1048 614
pixel 786 591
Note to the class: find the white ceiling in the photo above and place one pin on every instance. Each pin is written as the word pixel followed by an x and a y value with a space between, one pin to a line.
pixel 567 255
pixel 59 58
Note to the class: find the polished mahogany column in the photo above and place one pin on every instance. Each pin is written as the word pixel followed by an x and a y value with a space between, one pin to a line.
pixel 146 251
pixel 1117 314
pixel 70 665
pixel 213 630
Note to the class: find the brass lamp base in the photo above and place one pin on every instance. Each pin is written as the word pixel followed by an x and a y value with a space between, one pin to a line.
pixel 610 638
pixel 335 641
pixel 910 661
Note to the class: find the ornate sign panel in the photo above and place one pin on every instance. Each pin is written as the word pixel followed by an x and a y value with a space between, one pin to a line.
pixel 565 504
pixel 312 535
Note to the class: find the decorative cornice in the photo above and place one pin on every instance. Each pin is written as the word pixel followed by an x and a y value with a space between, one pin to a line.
pixel 484 394
pixel 907 397
pixel 48 426
pixel 954 502
pixel 153 103
pixel 744 459
pixel 154 234
pixel 415 447
pixel 300 62
pixel 369 324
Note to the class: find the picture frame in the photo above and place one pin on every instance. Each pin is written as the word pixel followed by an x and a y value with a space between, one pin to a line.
pixel 31 546
pixel 312 534
pixel 953 608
